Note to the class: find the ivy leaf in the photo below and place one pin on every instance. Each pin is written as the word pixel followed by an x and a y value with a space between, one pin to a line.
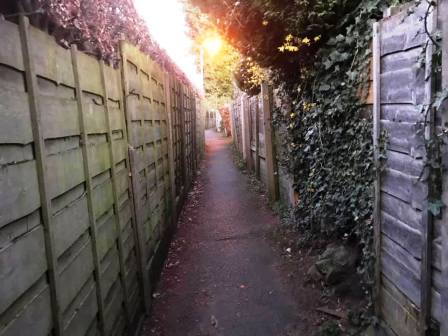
pixel 440 98
pixel 435 207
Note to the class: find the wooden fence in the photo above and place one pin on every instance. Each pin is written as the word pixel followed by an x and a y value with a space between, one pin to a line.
pixel 94 165
pixel 411 244
pixel 254 138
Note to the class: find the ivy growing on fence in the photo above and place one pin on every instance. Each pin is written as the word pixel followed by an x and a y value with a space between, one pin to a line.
pixel 329 138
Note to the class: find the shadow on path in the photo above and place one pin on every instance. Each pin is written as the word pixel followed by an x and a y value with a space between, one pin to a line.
pixel 222 276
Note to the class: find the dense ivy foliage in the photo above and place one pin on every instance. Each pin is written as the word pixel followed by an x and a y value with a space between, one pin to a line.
pixel 327 147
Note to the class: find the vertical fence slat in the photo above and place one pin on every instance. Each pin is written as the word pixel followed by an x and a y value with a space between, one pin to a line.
pixel 184 162
pixel 89 187
pixel 40 152
pixel 257 139
pixel 138 231
pixel 376 72
pixel 193 132
pixel 271 160
pixel 171 166
pixel 427 218
pixel 246 124
pixel 443 14
pixel 116 204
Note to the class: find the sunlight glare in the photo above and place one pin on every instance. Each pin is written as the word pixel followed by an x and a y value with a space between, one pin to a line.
pixel 212 45
pixel 167 24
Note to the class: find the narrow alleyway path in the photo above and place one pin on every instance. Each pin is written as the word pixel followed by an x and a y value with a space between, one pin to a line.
pixel 222 276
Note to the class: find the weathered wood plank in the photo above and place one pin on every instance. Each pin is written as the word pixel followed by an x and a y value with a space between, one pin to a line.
pixel 110 270
pixel 12 154
pixel 11 51
pixel 102 199
pixel 85 314
pixel 36 302
pixel 404 163
pixel 114 309
pixel 95 116
pixel 401 113
pixel 119 148
pixel 403 137
pixel 125 214
pixel 115 117
pixel 408 60
pixel 407 188
pixel 403 87
pixel 409 238
pixel 16 123
pixel 401 268
pixel 99 159
pixel 23 263
pixel 60 118
pixel 398 312
pixel 18 191
pixel 76 273
pixel 42 175
pixel 89 74
pixel 113 79
pixel 50 60
pixel 69 224
pixel 107 234
pixel 402 211
pixel 403 31
pixel 122 183
pixel 66 171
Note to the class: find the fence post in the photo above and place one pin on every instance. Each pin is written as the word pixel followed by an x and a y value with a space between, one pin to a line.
pixel 89 187
pixel 443 13
pixel 376 72
pixel 116 204
pixel 40 152
pixel 271 160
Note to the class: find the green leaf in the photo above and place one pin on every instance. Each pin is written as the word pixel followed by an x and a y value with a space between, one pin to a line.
pixel 435 207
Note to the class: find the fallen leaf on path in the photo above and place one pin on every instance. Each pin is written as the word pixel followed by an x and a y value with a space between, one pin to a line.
pixel 214 321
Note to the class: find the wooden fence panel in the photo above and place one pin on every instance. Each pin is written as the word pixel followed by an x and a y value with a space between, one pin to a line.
pixel 408 269
pixel 78 236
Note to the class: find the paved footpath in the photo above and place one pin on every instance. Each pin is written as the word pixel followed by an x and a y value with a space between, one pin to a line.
pixel 222 276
